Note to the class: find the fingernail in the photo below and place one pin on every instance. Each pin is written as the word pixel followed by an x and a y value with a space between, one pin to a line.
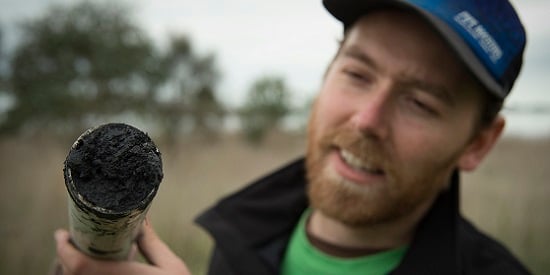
pixel 58 235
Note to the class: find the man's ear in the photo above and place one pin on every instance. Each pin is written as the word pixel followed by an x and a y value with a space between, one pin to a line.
pixel 480 145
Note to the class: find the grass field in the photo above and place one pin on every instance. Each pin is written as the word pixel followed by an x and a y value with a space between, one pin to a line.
pixel 507 196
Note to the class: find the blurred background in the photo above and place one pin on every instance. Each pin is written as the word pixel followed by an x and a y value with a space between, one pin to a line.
pixel 224 89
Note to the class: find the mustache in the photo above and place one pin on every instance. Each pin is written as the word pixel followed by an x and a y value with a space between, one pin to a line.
pixel 366 148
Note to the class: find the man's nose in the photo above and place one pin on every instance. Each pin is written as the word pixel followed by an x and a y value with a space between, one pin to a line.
pixel 372 115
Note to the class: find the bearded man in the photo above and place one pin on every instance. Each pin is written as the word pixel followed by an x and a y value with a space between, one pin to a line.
pixel 411 99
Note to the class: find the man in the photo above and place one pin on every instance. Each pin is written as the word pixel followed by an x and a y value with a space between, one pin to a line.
pixel 410 99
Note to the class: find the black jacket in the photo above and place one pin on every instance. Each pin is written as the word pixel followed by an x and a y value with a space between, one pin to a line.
pixel 251 230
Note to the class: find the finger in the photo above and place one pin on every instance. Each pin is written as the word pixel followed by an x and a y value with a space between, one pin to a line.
pixel 157 252
pixel 56 268
pixel 75 262
pixel 69 257
pixel 66 253
pixel 133 252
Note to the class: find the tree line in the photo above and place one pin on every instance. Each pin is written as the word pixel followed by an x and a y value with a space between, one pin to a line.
pixel 88 62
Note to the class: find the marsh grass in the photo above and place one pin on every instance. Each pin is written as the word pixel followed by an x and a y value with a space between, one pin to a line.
pixel 507 197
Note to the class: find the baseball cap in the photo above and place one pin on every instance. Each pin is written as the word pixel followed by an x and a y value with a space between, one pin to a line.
pixel 487 35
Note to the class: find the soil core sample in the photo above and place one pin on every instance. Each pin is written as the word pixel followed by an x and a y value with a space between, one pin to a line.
pixel 112 173
pixel 115 166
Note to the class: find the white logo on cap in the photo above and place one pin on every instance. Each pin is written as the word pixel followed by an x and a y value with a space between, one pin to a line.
pixel 479 33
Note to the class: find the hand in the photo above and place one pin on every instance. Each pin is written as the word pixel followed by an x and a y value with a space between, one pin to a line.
pixel 162 260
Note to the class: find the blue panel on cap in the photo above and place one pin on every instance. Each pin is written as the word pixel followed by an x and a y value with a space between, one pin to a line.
pixel 490 27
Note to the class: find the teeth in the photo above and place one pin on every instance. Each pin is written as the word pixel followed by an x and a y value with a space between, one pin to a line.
pixel 356 163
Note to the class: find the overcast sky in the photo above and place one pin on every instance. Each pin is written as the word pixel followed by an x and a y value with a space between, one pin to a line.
pixel 293 39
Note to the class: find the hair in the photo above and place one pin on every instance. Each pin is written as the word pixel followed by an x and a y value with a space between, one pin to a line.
pixel 490 108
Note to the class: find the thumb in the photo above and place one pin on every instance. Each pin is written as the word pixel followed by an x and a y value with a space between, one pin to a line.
pixel 157 252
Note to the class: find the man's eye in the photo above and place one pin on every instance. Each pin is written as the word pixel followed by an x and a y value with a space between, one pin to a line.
pixel 421 106
pixel 356 75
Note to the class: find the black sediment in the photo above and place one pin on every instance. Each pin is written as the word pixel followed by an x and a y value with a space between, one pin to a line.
pixel 115 166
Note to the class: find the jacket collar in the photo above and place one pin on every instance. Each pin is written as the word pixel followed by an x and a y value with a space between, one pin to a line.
pixel 256 222
pixel 434 246
pixel 251 227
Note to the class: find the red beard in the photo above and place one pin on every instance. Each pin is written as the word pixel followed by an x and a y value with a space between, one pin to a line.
pixel 358 205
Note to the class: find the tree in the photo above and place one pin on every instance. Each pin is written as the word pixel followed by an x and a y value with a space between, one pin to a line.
pixel 90 61
pixel 191 101
pixel 267 103
pixel 75 63
pixel 3 67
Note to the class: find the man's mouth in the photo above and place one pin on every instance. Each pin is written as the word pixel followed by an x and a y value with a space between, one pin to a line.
pixel 358 164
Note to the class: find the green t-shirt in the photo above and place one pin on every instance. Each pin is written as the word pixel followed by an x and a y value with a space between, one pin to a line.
pixel 302 258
